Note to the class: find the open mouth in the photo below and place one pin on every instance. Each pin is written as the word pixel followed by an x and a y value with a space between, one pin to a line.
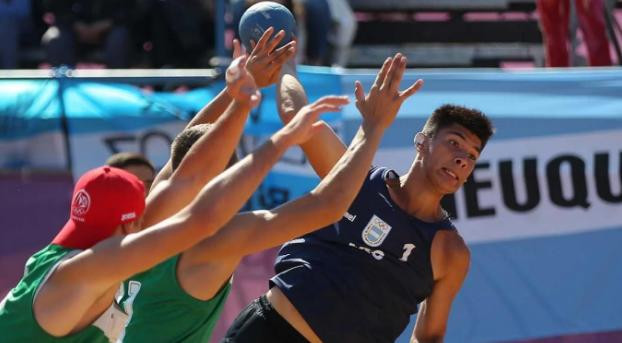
pixel 450 173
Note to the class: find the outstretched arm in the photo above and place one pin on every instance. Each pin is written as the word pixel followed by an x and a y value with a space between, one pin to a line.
pixel 258 230
pixel 81 280
pixel 203 161
pixel 324 149
pixel 210 153
pixel 264 65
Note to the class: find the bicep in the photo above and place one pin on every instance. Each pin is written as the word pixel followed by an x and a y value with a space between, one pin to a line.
pixel 434 311
pixel 323 150
pixel 167 198
pixel 119 257
pixel 254 231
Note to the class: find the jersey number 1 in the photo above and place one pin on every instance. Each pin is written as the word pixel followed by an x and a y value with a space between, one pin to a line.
pixel 408 248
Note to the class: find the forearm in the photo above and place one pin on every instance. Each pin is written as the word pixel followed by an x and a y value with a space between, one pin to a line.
pixel 343 182
pixel 323 149
pixel 118 258
pixel 213 110
pixel 211 153
pixel 259 230
pixel 202 163
pixel 226 193
pixel 208 114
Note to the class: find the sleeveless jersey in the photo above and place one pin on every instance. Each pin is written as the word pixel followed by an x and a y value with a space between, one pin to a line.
pixel 161 311
pixel 17 322
pixel 361 278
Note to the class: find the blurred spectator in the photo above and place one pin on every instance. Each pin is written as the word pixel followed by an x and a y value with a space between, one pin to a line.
pixel 343 31
pixel 554 16
pixel 136 164
pixel 313 18
pixel 314 23
pixel 83 26
pixel 14 15
pixel 181 32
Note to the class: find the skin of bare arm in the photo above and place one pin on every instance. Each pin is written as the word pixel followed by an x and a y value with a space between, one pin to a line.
pixel 450 262
pixel 264 65
pixel 204 268
pixel 203 161
pixel 324 149
pixel 66 299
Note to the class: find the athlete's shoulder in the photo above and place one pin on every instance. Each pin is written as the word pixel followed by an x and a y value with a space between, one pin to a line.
pixel 450 252
pixel 381 175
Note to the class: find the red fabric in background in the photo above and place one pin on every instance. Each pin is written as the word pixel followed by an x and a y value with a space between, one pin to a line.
pixel 554 17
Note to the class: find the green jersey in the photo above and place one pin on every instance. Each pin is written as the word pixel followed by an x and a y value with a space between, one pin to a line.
pixel 17 321
pixel 161 311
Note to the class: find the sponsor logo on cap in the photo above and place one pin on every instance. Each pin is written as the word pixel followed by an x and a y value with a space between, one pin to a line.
pixel 81 204
pixel 128 216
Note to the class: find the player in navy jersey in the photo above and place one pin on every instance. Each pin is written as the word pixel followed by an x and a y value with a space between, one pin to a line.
pixel 361 278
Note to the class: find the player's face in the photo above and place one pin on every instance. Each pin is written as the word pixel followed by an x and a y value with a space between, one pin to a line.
pixel 451 157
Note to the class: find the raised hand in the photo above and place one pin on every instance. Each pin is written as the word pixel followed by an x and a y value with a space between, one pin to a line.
pixel 240 83
pixel 264 62
pixel 304 124
pixel 380 106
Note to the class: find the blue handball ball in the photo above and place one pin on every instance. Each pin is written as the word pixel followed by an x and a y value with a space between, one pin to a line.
pixel 259 17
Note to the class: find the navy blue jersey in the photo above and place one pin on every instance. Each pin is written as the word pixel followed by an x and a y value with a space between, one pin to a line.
pixel 360 279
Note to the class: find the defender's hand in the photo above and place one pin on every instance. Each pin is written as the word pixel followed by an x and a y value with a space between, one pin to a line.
pixel 265 61
pixel 304 124
pixel 240 84
pixel 380 106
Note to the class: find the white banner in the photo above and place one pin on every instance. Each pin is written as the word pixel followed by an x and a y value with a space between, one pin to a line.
pixel 92 149
pixel 542 186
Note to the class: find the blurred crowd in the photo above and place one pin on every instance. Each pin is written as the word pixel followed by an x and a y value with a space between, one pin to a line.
pixel 180 33
pixel 153 33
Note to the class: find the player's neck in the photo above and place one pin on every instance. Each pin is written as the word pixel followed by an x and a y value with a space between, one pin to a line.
pixel 415 196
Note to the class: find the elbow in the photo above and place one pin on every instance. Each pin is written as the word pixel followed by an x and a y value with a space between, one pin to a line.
pixel 337 212
pixel 207 220
pixel 334 206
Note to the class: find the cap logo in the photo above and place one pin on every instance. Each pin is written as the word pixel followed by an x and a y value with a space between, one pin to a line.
pixel 128 216
pixel 81 203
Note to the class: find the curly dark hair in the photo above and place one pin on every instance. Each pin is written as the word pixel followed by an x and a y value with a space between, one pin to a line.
pixel 472 119
pixel 124 159
pixel 186 139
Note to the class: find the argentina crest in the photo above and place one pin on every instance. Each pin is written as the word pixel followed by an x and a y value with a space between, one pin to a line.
pixel 375 231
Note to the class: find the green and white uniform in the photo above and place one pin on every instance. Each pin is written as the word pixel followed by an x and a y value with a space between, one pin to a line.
pixel 161 311
pixel 17 321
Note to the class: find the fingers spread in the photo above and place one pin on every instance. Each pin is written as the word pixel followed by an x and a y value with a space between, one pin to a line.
pixel 359 92
pixel 275 41
pixel 383 72
pixel 332 100
pixel 398 74
pixel 414 88
pixel 284 53
pixel 264 39
pixel 326 108
pixel 389 76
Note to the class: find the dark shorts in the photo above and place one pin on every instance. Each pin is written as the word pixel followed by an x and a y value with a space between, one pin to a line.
pixel 259 322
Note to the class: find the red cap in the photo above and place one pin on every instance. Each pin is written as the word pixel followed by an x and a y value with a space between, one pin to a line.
pixel 103 198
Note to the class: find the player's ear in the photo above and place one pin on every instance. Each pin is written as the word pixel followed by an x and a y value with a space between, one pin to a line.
pixel 420 140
